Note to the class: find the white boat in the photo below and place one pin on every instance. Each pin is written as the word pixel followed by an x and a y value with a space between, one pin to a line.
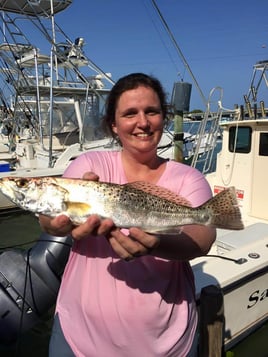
pixel 238 261
pixel 52 104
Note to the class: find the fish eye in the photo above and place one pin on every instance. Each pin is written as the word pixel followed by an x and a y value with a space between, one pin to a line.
pixel 22 183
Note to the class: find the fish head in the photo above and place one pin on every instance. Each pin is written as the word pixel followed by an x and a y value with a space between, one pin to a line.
pixel 16 189
pixel 34 194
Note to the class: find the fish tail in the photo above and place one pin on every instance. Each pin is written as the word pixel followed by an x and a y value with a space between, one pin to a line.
pixel 225 210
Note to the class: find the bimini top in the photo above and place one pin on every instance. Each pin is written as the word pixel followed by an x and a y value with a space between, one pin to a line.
pixel 34 7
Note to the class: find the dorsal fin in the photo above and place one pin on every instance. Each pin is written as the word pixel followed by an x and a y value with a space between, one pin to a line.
pixel 160 192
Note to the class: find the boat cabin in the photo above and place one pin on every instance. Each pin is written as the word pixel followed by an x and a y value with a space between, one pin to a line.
pixel 243 163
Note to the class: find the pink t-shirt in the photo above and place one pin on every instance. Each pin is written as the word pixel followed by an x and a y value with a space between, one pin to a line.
pixel 111 308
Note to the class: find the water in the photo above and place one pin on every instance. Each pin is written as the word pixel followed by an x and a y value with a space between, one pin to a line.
pixel 255 345
pixel 18 228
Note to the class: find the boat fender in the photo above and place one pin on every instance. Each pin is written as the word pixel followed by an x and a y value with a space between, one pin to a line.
pixel 29 284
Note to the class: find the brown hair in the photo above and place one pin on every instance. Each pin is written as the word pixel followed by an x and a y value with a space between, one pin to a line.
pixel 128 82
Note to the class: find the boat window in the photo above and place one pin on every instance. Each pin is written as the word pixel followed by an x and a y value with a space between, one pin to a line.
pixel 240 139
pixel 263 148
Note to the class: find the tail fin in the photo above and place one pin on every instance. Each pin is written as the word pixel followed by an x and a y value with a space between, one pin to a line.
pixel 226 212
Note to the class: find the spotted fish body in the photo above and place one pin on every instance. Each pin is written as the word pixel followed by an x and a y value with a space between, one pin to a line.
pixel 139 204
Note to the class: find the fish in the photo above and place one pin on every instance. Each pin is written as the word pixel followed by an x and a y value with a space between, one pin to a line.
pixel 152 208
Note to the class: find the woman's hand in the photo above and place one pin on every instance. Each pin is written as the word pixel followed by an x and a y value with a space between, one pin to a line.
pixel 59 226
pixel 136 244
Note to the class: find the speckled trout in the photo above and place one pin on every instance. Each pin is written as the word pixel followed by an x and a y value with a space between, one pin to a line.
pixel 138 204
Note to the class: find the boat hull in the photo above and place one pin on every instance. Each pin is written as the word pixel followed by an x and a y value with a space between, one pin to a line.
pixel 242 275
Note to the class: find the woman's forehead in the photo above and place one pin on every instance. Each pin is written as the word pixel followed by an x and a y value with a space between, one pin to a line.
pixel 139 95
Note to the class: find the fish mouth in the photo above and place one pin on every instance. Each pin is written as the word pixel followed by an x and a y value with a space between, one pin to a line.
pixel 9 190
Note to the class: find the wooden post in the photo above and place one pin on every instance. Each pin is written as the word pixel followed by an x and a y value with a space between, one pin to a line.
pixel 211 323
pixel 178 136
pixel 262 106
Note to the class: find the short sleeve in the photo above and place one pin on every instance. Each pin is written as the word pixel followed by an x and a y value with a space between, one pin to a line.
pixel 187 182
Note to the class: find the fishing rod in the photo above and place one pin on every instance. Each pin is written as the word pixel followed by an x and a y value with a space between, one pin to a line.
pixel 180 52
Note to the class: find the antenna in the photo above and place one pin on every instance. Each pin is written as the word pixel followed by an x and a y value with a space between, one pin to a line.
pixel 180 52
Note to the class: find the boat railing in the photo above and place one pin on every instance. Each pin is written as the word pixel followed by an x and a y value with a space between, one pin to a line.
pixel 208 135
pixel 259 76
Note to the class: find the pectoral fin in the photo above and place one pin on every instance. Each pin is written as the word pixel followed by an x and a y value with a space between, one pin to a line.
pixel 77 209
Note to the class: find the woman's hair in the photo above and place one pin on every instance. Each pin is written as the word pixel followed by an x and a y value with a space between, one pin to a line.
pixel 128 82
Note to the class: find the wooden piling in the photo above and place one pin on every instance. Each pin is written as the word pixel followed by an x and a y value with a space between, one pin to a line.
pixel 211 322
pixel 178 136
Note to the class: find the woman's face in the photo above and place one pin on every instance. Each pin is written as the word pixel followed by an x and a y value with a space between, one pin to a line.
pixel 139 120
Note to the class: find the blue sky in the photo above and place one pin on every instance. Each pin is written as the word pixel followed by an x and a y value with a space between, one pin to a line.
pixel 221 40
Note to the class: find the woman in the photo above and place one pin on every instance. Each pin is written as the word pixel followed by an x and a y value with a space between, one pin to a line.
pixel 126 292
